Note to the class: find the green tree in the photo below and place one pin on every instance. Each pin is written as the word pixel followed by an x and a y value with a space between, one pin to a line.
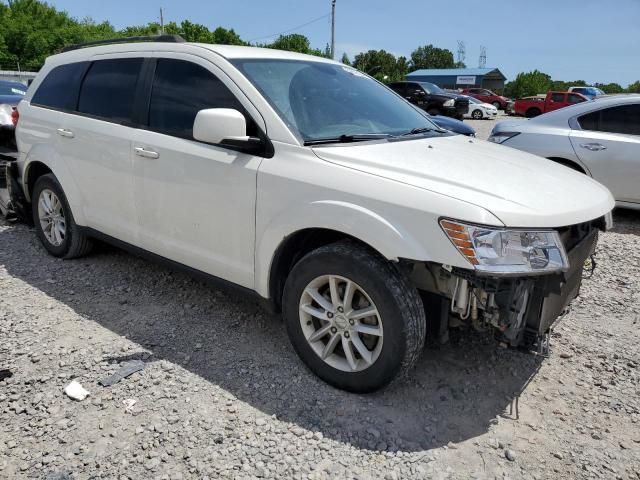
pixel 222 36
pixel 33 30
pixel 528 84
pixel 609 87
pixel 381 65
pixel 345 59
pixel 634 87
pixel 429 56
pixel 292 43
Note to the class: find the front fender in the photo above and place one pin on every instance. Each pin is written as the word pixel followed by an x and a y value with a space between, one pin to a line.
pixel 390 239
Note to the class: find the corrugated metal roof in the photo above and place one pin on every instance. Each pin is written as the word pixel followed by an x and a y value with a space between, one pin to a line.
pixel 452 71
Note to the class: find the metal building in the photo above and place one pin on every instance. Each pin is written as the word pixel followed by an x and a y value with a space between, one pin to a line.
pixel 454 78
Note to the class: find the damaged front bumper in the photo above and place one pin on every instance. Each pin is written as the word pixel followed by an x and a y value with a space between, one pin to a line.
pixel 521 310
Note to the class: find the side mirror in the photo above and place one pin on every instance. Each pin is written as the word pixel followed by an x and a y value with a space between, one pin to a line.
pixel 228 127
pixel 214 125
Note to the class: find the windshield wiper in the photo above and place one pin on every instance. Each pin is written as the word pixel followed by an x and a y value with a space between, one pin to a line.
pixel 416 131
pixel 360 137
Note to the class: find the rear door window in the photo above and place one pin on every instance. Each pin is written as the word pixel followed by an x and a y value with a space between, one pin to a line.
pixel 108 89
pixel 557 97
pixel 180 90
pixel 621 119
pixel 59 89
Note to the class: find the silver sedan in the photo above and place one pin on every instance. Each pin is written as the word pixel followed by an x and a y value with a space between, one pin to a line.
pixel 600 138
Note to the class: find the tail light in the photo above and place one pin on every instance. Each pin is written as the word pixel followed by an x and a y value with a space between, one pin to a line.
pixel 15 116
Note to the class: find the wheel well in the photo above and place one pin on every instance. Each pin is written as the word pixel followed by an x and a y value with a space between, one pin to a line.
pixel 292 249
pixel 568 163
pixel 35 171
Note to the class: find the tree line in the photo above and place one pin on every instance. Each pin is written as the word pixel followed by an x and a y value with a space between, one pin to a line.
pixel 31 30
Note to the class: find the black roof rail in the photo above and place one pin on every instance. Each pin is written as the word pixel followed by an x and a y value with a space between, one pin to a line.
pixel 110 41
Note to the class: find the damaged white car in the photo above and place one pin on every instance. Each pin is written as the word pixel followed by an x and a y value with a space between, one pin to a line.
pixel 310 185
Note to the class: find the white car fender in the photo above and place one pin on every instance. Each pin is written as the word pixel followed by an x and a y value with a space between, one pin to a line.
pixel 391 240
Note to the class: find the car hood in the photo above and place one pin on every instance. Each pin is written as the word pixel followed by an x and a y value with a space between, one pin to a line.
pixel 452 125
pixel 521 189
pixel 12 100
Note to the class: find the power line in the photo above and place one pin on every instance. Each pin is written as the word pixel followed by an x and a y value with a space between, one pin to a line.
pixel 292 29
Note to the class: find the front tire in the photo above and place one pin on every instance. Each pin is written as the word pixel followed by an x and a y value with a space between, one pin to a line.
pixel 476 115
pixel 53 220
pixel 497 105
pixel 353 318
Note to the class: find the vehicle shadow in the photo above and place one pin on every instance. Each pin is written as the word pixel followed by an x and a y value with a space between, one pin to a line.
pixel 454 394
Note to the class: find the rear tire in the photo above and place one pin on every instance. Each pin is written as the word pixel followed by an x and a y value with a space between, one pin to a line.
pixel 324 322
pixel 53 220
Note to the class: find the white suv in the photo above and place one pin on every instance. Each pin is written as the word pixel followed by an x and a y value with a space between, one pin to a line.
pixel 311 185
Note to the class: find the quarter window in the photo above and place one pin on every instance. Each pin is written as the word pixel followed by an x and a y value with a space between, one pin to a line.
pixel 622 119
pixel 108 90
pixel 59 89
pixel 180 90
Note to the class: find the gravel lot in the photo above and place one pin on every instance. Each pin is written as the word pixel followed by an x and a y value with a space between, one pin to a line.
pixel 483 127
pixel 223 395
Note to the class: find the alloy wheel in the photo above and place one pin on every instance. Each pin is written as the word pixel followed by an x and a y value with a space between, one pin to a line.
pixel 51 217
pixel 341 323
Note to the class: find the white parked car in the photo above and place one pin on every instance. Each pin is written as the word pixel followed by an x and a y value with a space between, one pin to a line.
pixel 479 110
pixel 600 138
pixel 309 184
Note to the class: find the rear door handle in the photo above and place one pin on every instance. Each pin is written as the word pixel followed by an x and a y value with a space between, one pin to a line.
pixel 143 152
pixel 63 132
pixel 594 147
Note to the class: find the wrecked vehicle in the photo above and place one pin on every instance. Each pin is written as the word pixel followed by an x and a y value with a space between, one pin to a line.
pixel 310 185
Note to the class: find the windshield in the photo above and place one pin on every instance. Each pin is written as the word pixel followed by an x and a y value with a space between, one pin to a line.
pixel 321 100
pixel 474 100
pixel 431 87
pixel 13 89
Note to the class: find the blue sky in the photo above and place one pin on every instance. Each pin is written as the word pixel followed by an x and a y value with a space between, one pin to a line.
pixel 592 40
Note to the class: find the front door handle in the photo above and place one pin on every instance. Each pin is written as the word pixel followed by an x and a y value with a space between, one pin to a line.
pixel 63 132
pixel 143 152
pixel 594 147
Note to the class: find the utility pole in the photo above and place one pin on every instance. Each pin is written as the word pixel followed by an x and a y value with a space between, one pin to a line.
pixel 161 22
pixel 333 29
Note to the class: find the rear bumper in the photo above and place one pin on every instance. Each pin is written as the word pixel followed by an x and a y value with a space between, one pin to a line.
pixel 12 200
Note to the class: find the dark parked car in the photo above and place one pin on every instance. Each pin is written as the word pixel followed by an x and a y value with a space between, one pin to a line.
pixel 453 125
pixel 432 99
pixel 10 95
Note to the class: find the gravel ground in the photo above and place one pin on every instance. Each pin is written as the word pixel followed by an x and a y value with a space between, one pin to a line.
pixel 483 127
pixel 223 395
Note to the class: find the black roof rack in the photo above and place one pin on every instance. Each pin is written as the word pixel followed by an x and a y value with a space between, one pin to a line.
pixel 110 41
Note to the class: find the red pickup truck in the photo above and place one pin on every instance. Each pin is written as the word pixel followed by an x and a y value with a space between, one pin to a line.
pixel 533 106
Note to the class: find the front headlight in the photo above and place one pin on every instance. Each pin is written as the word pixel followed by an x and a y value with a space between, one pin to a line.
pixel 449 103
pixel 501 137
pixel 508 252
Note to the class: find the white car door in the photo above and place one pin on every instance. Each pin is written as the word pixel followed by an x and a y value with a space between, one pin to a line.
pixel 96 144
pixel 195 202
pixel 609 145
